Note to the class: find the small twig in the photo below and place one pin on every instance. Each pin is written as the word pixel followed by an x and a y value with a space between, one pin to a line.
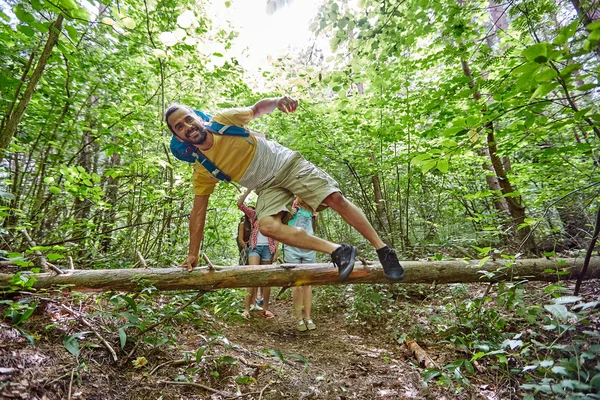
pixel 54 268
pixel 263 389
pixel 139 255
pixel 196 385
pixel 172 362
pixel 71 383
pixel 71 265
pixel 211 266
pixel 89 325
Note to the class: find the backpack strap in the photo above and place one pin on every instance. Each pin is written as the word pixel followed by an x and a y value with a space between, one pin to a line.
pixel 221 129
pixel 211 167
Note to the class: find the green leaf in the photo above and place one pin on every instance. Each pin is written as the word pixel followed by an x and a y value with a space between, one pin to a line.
pixel 27 31
pixel 228 360
pixel 593 26
pixel 429 373
pixel 417 160
pixel 529 121
pixel 54 190
pixel 122 337
pixel 595 381
pixel 537 52
pixel 567 299
pixel 71 344
pixel 442 165
pixel 453 130
pixel 569 69
pixel 586 87
pixel 559 311
pixel 72 32
pixel 526 69
pixel 200 353
pixel 546 74
pixel 275 353
pixel 54 256
pixel 543 90
pixel 428 166
pixel 559 370
pixel 23 15
pixel 595 35
pixel 130 302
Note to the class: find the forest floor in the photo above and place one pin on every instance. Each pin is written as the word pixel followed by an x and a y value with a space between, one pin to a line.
pixel 258 358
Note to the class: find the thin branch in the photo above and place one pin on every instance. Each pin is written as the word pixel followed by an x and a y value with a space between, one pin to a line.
pixel 89 325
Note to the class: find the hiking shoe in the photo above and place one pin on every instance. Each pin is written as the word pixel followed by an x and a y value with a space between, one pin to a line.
pixel 246 315
pixel 301 326
pixel 255 307
pixel 391 266
pixel 311 325
pixel 343 257
pixel 268 314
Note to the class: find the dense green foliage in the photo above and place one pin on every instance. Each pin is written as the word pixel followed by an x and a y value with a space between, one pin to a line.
pixel 455 125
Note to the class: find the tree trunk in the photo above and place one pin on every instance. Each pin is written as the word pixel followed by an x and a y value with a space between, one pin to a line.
pixel 516 210
pixel 135 279
pixel 15 117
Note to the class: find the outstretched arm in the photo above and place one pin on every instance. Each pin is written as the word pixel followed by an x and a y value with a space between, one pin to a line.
pixel 268 105
pixel 250 213
pixel 197 220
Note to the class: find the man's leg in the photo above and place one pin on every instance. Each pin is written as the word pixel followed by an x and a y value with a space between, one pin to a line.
pixel 343 256
pixel 354 217
pixel 272 226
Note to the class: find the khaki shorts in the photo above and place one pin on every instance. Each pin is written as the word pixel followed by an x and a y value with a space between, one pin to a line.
pixel 296 177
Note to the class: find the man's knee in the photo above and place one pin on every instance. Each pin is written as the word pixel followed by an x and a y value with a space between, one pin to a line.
pixel 335 201
pixel 269 226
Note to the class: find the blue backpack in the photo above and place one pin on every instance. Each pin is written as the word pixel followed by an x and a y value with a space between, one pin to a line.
pixel 189 153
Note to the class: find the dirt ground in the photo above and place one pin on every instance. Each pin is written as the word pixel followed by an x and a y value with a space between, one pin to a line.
pixel 254 359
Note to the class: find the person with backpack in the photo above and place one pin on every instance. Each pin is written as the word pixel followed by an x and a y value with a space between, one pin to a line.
pixel 305 218
pixel 223 149
pixel 261 251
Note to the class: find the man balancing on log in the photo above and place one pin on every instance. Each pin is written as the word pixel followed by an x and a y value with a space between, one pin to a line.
pixel 223 149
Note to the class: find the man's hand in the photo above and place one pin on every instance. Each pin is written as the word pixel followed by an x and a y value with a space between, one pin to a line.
pixel 190 262
pixel 287 104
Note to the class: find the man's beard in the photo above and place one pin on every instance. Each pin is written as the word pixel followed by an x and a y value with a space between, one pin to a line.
pixel 201 132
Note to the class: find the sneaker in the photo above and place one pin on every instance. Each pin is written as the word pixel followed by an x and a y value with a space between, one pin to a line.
pixel 268 314
pixel 260 302
pixel 344 257
pixel 255 307
pixel 301 326
pixel 391 266
pixel 246 315
pixel 311 325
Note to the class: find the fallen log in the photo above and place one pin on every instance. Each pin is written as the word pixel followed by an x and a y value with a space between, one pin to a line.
pixel 455 271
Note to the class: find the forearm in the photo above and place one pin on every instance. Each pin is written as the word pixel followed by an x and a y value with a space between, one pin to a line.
pixel 197 221
pixel 265 106
pixel 196 233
